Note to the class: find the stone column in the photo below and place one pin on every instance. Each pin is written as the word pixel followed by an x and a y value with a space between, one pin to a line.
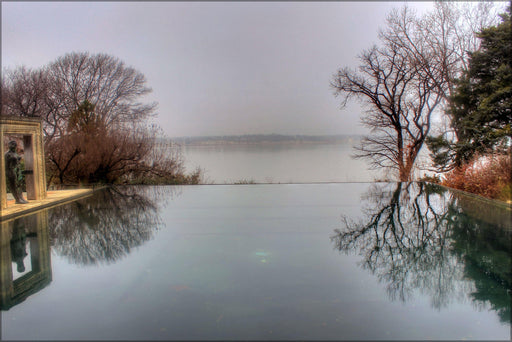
pixel 3 185
pixel 28 156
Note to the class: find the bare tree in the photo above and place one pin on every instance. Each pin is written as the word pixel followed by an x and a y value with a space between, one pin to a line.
pixel 449 33
pixel 104 80
pixel 26 93
pixel 443 37
pixel 94 121
pixel 23 92
pixel 61 155
pixel 405 79
pixel 88 152
pixel 32 93
pixel 401 90
pixel 55 91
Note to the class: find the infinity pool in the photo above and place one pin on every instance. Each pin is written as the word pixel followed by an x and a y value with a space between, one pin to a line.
pixel 260 262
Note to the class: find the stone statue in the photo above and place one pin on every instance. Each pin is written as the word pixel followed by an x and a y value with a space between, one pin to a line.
pixel 12 161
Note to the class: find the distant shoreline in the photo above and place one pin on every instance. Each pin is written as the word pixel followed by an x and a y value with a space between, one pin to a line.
pixel 253 139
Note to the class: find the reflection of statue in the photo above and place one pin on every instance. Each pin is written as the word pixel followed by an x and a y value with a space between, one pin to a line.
pixel 19 246
pixel 12 161
pixel 24 241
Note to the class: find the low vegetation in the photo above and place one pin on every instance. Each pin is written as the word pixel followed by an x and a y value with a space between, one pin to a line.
pixel 245 181
pixel 488 176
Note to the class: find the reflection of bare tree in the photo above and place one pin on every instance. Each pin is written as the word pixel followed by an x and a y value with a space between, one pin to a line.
pixel 416 236
pixel 108 225
pixel 404 242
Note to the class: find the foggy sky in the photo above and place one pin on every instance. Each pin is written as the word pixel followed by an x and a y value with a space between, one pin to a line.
pixel 216 68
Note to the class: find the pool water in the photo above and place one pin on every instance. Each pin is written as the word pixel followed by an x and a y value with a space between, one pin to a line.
pixel 260 262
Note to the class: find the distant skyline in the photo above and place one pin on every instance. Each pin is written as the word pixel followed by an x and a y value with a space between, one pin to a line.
pixel 216 68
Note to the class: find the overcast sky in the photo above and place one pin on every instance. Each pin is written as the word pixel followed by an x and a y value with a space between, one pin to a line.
pixel 216 68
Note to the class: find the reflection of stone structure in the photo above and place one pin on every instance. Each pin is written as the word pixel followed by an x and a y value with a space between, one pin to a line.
pixel 31 130
pixel 19 246
pixel 17 238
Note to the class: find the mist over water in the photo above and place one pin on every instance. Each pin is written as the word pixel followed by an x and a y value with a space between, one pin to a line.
pixel 279 163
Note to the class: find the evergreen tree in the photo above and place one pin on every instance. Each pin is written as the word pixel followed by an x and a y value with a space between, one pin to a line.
pixel 481 107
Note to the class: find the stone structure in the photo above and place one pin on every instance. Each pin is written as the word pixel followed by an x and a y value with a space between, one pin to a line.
pixel 35 178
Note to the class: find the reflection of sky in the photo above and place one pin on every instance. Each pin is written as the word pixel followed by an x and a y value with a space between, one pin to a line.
pixel 201 276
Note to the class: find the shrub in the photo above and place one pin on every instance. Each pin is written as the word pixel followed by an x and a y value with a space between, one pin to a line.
pixel 488 176
pixel 431 179
pixel 245 181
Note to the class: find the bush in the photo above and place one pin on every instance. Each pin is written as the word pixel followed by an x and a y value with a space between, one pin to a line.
pixel 245 181
pixel 139 155
pixel 488 176
pixel 430 179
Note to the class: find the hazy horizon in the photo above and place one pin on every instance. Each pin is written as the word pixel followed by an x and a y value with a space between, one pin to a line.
pixel 265 134
pixel 216 68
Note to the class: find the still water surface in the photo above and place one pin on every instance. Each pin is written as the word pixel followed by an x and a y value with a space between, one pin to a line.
pixel 315 262
pixel 279 163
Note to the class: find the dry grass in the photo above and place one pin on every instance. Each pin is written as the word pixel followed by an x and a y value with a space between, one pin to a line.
pixel 488 176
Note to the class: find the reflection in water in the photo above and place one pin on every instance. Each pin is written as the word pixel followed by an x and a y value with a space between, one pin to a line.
pixel 485 247
pixel 25 266
pixel 101 228
pixel 420 237
pixel 19 246
pixel 107 226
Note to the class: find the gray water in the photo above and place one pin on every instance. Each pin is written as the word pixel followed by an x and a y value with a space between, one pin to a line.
pixel 279 163
pixel 350 261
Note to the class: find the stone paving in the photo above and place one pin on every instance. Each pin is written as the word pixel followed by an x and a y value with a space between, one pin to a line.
pixel 53 198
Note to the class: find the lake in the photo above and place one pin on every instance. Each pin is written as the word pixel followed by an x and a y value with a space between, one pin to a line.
pixel 279 163
pixel 344 261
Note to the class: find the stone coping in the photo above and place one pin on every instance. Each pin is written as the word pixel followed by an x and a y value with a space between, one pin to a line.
pixel 53 198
